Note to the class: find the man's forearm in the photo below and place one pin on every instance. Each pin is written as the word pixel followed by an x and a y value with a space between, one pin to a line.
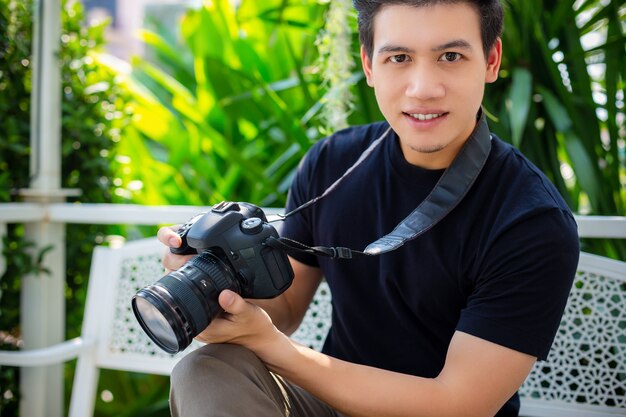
pixel 478 376
pixel 477 379
pixel 358 390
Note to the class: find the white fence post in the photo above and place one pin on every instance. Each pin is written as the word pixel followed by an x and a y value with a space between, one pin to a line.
pixel 43 321
pixel 42 299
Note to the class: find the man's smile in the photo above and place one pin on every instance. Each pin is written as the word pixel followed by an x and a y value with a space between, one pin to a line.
pixel 425 116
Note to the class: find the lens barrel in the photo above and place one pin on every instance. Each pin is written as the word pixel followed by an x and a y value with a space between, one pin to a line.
pixel 180 305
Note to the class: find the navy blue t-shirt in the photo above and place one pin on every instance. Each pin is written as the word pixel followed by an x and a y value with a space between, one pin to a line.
pixel 499 266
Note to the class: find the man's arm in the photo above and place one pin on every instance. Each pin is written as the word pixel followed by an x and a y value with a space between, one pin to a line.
pixel 477 379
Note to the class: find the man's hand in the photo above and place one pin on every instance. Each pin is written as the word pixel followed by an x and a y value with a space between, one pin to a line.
pixel 245 324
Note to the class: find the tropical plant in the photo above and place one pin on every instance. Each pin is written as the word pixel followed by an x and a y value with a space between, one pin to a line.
pixel 560 99
pixel 227 111
pixel 223 114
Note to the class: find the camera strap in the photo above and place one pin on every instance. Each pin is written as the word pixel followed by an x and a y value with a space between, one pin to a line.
pixel 451 188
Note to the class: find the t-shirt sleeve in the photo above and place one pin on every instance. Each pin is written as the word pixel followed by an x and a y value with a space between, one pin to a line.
pixel 298 226
pixel 523 284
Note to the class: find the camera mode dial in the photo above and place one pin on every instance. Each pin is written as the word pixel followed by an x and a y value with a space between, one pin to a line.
pixel 252 226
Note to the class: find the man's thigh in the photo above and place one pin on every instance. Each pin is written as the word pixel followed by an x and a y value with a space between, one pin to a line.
pixel 229 380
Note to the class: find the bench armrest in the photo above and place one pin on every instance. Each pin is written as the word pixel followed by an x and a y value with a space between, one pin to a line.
pixel 50 355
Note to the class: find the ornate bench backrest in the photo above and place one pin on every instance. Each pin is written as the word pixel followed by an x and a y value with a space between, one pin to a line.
pixel 585 372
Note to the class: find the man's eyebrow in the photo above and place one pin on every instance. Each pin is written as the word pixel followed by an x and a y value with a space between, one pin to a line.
pixel 455 44
pixel 394 48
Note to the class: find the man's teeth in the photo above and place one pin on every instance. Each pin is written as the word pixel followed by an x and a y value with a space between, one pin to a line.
pixel 425 116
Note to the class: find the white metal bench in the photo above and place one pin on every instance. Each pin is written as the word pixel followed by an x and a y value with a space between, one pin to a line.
pixel 585 374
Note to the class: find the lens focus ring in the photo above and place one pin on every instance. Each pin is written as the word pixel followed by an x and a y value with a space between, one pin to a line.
pixel 189 300
pixel 218 275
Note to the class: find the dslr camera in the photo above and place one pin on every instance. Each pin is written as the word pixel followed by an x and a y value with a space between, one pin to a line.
pixel 230 243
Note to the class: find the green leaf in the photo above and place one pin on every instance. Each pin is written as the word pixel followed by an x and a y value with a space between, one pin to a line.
pixel 584 168
pixel 557 112
pixel 519 103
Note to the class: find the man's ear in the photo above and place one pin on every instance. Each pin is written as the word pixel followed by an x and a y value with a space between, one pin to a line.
pixel 494 59
pixel 366 63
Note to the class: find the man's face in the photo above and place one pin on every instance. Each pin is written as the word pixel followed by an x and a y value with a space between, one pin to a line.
pixel 428 70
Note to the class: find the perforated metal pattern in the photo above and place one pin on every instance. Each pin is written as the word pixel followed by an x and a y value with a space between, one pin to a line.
pixel 137 271
pixel 316 323
pixel 587 363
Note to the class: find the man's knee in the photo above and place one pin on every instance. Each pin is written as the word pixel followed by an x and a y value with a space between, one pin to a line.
pixel 214 362
pixel 223 380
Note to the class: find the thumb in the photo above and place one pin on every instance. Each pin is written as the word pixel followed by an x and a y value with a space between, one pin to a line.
pixel 232 302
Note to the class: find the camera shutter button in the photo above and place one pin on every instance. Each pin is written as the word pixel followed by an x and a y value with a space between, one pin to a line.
pixel 252 226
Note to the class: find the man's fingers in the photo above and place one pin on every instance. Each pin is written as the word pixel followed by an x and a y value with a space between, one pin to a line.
pixel 169 237
pixel 232 302
pixel 172 261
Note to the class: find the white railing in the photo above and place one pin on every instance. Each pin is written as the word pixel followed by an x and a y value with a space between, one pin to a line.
pixel 611 227
pixel 74 213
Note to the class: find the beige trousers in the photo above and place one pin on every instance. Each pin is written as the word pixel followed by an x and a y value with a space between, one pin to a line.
pixel 224 380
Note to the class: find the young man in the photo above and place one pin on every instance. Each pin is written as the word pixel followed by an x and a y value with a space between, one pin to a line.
pixel 449 324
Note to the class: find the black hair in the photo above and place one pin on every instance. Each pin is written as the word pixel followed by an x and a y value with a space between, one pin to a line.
pixel 491 15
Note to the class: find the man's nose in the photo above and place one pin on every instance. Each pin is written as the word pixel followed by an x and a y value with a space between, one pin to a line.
pixel 425 83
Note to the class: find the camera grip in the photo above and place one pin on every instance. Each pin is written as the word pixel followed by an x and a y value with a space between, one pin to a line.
pixel 184 248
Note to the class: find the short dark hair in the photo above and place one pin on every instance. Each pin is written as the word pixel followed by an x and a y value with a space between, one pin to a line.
pixel 490 11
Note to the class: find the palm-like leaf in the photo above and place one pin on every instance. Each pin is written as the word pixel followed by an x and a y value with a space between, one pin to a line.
pixel 572 122
pixel 223 118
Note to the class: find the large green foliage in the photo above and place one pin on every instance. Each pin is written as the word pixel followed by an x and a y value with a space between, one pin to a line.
pixel 551 106
pixel 560 99
pixel 226 111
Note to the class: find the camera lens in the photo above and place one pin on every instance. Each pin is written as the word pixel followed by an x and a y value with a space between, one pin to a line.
pixel 159 326
pixel 180 305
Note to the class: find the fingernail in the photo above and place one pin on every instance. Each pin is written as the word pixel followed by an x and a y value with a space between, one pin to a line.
pixel 174 241
pixel 228 298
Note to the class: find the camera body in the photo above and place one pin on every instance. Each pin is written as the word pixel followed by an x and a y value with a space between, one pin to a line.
pixel 235 232
pixel 229 241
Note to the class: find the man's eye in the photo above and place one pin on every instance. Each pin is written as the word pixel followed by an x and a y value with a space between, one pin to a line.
pixel 398 59
pixel 451 57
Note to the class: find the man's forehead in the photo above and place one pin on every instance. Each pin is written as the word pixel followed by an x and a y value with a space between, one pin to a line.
pixel 434 27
